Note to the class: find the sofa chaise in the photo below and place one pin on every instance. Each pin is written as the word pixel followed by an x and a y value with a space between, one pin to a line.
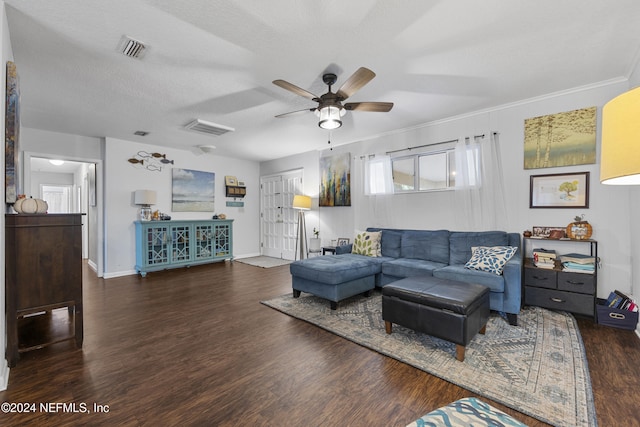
pixel 409 253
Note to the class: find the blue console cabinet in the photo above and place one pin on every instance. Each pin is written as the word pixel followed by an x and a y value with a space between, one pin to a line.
pixel 161 245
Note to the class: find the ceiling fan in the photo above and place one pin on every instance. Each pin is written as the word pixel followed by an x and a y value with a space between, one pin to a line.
pixel 330 108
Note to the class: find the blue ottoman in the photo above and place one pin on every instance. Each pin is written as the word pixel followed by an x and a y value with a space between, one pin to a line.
pixel 334 277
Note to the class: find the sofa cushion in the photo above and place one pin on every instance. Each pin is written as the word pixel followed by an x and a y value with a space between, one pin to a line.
pixel 461 242
pixel 459 273
pixel 426 245
pixel 403 267
pixel 335 269
pixel 490 258
pixel 390 243
pixel 367 243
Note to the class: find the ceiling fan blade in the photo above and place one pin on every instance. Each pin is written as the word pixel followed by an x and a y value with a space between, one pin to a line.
pixel 295 89
pixel 378 107
pixel 361 77
pixel 293 113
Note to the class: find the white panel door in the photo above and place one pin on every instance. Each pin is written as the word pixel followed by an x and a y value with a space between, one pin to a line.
pixel 278 218
pixel 291 185
pixel 271 216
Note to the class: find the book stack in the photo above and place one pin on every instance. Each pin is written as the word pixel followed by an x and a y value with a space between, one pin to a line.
pixel 578 263
pixel 544 258
pixel 621 301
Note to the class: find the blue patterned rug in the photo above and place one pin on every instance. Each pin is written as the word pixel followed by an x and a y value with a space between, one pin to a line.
pixel 538 367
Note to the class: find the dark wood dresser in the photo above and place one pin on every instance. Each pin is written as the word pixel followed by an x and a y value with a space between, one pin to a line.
pixel 43 255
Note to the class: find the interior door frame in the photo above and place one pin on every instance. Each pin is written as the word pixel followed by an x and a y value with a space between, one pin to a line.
pixel 286 210
pixel 100 238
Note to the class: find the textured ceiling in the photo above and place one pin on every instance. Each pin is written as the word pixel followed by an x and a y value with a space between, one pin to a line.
pixel 215 60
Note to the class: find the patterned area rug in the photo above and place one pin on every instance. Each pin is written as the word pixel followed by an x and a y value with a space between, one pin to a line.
pixel 538 367
pixel 264 261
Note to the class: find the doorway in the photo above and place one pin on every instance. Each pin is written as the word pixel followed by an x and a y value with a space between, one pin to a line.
pixel 69 187
pixel 278 220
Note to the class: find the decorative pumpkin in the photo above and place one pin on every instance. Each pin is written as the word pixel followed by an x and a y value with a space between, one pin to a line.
pixel 579 229
pixel 30 206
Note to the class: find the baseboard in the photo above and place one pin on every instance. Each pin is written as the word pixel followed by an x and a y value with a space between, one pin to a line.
pixel 119 274
pixel 4 374
pixel 92 265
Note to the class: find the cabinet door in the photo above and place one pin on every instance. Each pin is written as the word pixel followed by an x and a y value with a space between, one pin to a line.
pixel 222 240
pixel 156 240
pixel 203 245
pixel 180 235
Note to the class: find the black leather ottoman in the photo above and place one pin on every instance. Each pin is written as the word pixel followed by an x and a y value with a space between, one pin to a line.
pixel 453 311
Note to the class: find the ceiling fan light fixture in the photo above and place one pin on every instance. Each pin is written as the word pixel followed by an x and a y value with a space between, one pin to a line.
pixel 330 117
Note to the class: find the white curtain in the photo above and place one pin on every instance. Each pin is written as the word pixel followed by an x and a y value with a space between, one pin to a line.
pixel 378 177
pixel 479 191
pixel 374 200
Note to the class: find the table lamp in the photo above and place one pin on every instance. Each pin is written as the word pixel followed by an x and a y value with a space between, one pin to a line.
pixel 145 198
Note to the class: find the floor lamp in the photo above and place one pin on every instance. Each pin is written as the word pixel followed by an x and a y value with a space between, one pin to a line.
pixel 619 151
pixel 302 203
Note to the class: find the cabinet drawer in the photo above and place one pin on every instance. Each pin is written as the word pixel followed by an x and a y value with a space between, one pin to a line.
pixel 540 278
pixel 577 282
pixel 560 300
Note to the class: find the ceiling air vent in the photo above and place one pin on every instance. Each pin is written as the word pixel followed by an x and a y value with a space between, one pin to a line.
pixel 208 128
pixel 131 47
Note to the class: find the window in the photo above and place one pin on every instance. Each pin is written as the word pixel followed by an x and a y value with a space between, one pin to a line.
pixel 404 175
pixel 424 172
pixel 58 197
pixel 434 171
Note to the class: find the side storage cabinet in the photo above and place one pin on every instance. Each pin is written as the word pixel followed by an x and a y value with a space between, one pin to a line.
pixel 43 258
pixel 161 245
pixel 561 290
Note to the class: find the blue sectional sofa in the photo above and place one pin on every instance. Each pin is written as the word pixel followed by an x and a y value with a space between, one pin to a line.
pixel 409 253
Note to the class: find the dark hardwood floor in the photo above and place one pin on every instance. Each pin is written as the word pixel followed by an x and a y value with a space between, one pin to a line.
pixel 196 347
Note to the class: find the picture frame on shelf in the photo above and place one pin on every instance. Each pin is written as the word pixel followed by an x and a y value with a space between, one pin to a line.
pixel 342 241
pixel 545 232
pixel 560 190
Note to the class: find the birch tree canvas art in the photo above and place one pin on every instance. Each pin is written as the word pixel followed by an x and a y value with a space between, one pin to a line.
pixel 563 139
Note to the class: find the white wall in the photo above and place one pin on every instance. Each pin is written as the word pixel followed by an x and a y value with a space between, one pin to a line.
pixel 123 178
pixel 634 197
pixel 7 55
pixel 44 178
pixel 609 210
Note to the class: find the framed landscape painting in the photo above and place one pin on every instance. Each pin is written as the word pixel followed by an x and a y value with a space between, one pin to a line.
pixel 569 190
pixel 192 191
pixel 562 139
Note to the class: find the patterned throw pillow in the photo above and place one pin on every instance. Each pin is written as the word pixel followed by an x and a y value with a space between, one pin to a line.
pixel 491 259
pixel 367 243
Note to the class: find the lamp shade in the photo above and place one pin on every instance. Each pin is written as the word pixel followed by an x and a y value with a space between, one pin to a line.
pixel 144 197
pixel 620 145
pixel 330 117
pixel 301 202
